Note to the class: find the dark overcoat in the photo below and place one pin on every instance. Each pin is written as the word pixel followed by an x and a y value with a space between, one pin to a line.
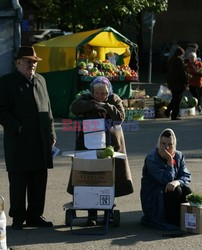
pixel 26 104
pixel 87 108
pixel 176 74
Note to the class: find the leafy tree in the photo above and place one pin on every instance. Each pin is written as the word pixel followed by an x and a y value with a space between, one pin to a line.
pixel 79 15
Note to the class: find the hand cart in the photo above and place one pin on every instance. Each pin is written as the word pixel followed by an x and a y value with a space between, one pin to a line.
pixel 111 216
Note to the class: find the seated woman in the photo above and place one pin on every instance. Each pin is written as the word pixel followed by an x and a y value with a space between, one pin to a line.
pixel 102 103
pixel 165 184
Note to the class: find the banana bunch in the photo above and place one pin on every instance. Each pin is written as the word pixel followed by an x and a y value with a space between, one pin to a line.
pixel 108 152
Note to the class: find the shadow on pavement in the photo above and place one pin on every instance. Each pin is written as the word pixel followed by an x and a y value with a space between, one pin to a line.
pixel 129 232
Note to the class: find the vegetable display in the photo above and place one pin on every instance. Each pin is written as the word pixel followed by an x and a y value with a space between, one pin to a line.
pixel 107 69
pixel 188 102
pixel 195 199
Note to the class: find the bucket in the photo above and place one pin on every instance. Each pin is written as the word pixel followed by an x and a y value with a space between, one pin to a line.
pixel 3 245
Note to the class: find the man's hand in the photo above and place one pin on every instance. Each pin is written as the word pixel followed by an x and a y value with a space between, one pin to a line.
pixel 170 187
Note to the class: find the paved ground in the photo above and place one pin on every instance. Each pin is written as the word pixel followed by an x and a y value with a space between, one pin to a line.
pixel 130 234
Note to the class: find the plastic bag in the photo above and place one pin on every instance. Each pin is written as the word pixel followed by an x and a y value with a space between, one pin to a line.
pixel 164 93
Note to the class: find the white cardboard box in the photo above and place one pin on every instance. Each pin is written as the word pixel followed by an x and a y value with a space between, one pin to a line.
pixel 87 197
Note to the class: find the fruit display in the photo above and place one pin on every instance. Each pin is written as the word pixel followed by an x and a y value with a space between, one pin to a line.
pixel 185 104
pixel 104 68
pixel 193 102
pixel 108 152
pixel 188 102
pixel 159 102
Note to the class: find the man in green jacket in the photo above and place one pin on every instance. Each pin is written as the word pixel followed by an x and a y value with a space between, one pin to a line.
pixel 29 135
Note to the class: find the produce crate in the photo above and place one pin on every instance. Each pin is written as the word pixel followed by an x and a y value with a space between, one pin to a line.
pixel 136 103
pixel 187 112
pixel 149 102
pixel 134 114
pixel 141 103
pixel 138 93
pixel 191 218
pixel 131 78
pixel 149 113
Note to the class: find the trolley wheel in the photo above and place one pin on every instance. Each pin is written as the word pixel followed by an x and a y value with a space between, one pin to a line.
pixel 68 215
pixel 116 218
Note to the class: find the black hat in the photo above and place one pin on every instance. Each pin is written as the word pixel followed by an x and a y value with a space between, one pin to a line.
pixel 27 52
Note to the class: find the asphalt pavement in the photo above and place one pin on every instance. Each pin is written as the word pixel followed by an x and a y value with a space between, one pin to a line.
pixel 130 234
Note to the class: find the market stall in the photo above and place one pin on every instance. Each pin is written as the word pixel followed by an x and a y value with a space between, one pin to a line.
pixel 64 55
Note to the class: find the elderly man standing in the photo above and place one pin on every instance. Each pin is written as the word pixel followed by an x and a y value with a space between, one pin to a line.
pixel 29 135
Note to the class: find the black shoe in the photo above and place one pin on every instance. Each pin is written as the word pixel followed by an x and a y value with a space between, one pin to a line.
pixel 92 221
pixel 167 114
pixel 176 119
pixel 92 217
pixel 17 224
pixel 38 222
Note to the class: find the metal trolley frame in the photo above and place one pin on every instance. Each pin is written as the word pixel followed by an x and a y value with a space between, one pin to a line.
pixel 111 216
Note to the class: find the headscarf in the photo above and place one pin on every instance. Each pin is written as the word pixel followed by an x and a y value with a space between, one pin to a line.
pixel 103 81
pixel 193 54
pixel 172 134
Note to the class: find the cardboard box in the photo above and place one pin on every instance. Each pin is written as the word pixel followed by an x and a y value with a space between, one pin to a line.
pixel 93 172
pixel 134 114
pixel 187 112
pixel 141 103
pixel 149 113
pixel 136 103
pixel 149 102
pixel 138 93
pixel 93 197
pixel 191 218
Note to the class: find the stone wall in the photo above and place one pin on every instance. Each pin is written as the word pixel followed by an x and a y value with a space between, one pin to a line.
pixel 10 17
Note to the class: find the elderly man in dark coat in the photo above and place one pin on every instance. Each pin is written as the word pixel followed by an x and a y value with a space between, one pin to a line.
pixel 29 135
